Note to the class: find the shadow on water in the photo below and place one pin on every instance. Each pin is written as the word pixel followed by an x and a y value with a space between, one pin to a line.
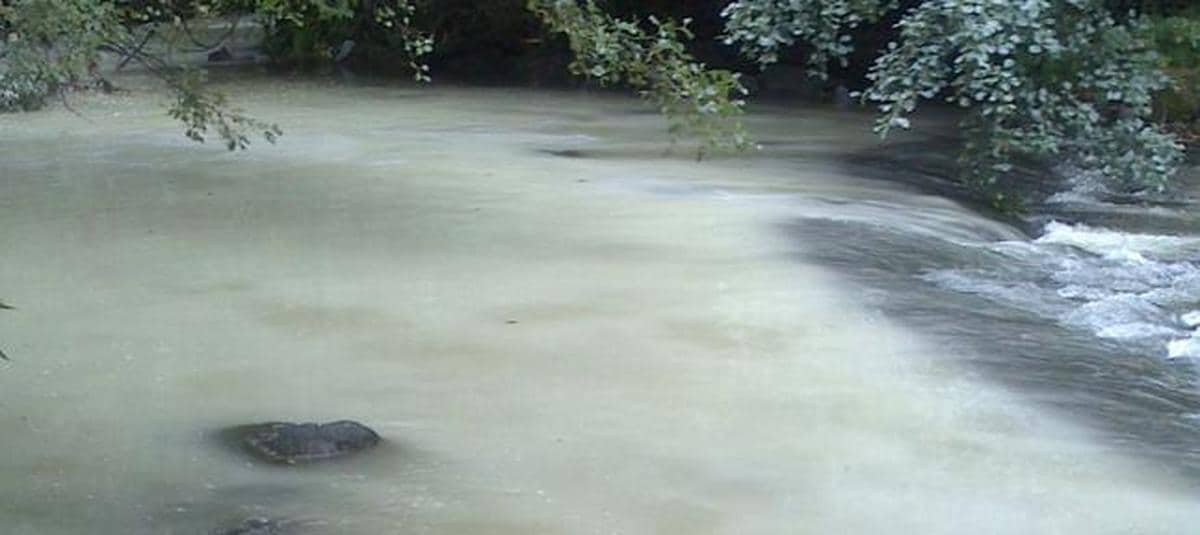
pixel 931 167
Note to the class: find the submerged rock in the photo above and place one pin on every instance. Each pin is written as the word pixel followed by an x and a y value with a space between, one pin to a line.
pixel 255 526
pixel 290 443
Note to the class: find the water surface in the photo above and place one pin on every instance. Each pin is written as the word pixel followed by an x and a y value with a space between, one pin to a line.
pixel 559 323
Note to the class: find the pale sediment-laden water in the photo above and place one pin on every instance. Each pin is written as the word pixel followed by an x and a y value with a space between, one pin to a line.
pixel 556 326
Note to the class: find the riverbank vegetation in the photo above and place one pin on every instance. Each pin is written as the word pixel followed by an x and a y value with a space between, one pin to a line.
pixel 1109 86
pixel 1176 38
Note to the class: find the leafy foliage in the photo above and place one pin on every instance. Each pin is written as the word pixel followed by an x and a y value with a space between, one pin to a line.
pixel 1062 79
pixel 1177 38
pixel 310 30
pixel 654 60
pixel 760 28
pixel 48 47
pixel 52 46
pixel 1038 78
pixel 200 110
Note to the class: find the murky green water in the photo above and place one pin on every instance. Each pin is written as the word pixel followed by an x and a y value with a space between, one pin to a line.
pixel 557 327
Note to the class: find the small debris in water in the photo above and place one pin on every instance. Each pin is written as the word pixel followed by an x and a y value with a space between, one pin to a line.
pixel 4 306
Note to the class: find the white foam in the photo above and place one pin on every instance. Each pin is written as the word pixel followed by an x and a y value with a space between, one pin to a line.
pixel 1133 331
pixel 1184 348
pixel 1115 244
pixel 1191 319
pixel 1118 310
pixel 1117 285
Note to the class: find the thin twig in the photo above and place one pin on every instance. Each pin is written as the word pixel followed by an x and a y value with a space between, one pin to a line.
pixel 187 30
pixel 136 50
pixel 62 97
pixel 152 64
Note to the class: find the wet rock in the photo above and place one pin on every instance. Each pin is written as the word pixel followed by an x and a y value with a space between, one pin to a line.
pixel 291 443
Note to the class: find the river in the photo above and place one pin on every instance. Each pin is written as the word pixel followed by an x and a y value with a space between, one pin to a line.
pixel 562 324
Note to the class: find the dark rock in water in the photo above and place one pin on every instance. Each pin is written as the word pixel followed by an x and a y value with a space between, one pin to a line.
pixel 290 443
pixel 255 526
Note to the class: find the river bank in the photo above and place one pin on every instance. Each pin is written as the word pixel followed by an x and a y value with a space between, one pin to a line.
pixel 555 327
